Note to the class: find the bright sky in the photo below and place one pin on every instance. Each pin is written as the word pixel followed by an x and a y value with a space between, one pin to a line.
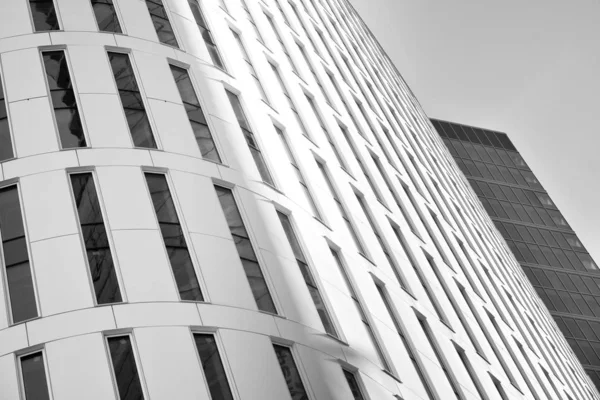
pixel 528 68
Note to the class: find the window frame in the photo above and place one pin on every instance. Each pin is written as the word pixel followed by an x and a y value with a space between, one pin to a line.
pixel 138 364
pixel 58 18
pixel 21 381
pixel 119 16
pixel 275 341
pixel 8 116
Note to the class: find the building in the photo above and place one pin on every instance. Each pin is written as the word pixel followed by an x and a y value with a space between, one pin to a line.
pixel 557 264
pixel 243 200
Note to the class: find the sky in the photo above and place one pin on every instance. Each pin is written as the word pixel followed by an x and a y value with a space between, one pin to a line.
pixel 529 68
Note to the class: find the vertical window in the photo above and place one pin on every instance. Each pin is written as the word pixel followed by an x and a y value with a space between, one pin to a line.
pixel 106 16
pixel 250 67
pixel 250 139
pixel 44 15
pixel 125 368
pixel 241 238
pixel 407 346
pixel 174 238
pixel 95 239
pixel 307 194
pixel 16 257
pixel 64 100
pixel 290 102
pixel 160 19
pixel 211 46
pixel 131 99
pixel 439 358
pixel 6 148
pixel 33 372
pixel 202 133
pixel 341 208
pixel 360 309
pixel 290 372
pixel 353 384
pixel 214 372
pixel 309 279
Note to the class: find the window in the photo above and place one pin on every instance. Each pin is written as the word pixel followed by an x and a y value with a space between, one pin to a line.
pixel 241 238
pixel 360 309
pixel 250 67
pixel 6 148
pixel 290 372
pixel 214 372
pixel 202 133
pixel 125 368
pixel 409 350
pixel 283 48
pixel 211 46
pixel 160 19
pixel 21 292
pixel 64 100
pixel 33 372
pixel 290 102
pixel 44 15
pixel 250 139
pixel 469 368
pixel 307 194
pixel 174 238
pixel 131 99
pixel 95 239
pixel 353 384
pixel 106 16
pixel 341 208
pixel 309 279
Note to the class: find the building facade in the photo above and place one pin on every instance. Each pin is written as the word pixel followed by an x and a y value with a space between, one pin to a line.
pixel 243 200
pixel 557 264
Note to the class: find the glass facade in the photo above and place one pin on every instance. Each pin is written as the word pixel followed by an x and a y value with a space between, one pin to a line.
pixel 557 264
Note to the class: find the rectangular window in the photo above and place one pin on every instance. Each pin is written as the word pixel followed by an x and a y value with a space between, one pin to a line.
pixel 174 238
pixel 409 350
pixel 131 99
pixel 307 194
pixel 106 16
pixel 241 238
pixel 202 133
pixel 360 309
pixel 160 19
pixel 290 101
pixel 6 148
pixel 21 292
pixel 439 358
pixel 353 384
pixel 211 46
pixel 290 372
pixel 44 15
pixel 33 372
pixel 95 239
pixel 309 279
pixel 250 67
pixel 250 139
pixel 341 208
pixel 64 100
pixel 125 368
pixel 214 372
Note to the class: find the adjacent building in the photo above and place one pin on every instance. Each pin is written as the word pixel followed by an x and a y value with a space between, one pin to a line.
pixel 557 264
pixel 243 200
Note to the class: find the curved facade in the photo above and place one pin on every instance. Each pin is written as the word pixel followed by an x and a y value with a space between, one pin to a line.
pixel 243 200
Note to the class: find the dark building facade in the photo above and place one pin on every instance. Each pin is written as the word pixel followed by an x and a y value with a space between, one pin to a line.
pixel 554 259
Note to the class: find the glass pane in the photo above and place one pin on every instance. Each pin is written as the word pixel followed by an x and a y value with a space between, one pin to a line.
pixel 259 287
pixel 104 276
pixel 353 384
pixel 125 368
pixel 106 16
pixel 161 198
pixel 214 372
pixel 22 296
pixel 6 151
pixel 69 128
pixel 34 377
pixel 163 27
pixel 44 15
pixel 290 372
pixel 185 275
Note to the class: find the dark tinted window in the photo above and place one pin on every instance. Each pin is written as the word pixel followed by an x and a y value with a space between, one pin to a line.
pixel 195 114
pixel 206 34
pixel 353 384
pixel 64 101
pixel 16 257
pixel 106 16
pixel 34 377
pixel 213 367
pixel 44 16
pixel 125 368
pixel 290 372
pixel 95 239
pixel 174 238
pixel 6 150
pixel 132 102
pixel 160 19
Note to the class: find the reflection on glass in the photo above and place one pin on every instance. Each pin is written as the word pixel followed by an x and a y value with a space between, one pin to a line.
pixel 213 52
pixel 125 368
pixel 290 372
pixel 106 16
pixel 214 372
pixel 43 15
pixel 163 27
pixel 34 377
